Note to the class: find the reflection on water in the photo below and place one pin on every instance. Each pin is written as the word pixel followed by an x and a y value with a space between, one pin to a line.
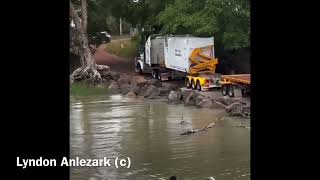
pixel 148 132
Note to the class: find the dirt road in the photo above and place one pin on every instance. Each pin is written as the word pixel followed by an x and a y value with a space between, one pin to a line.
pixel 123 65
pixel 114 62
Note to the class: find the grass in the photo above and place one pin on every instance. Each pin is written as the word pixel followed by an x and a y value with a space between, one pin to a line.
pixel 126 48
pixel 82 89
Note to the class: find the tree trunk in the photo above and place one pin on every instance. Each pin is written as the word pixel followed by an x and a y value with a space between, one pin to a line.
pixel 88 71
pixel 84 16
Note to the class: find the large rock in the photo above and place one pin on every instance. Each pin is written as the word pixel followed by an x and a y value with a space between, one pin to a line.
pixel 246 110
pixel 131 94
pixel 151 91
pixel 143 89
pixel 125 88
pixel 227 100
pixel 165 90
pixel 190 100
pixel 154 82
pixel 217 105
pixel 175 96
pixel 114 75
pixel 136 89
pixel 185 93
pixel 139 81
pixel 113 87
pixel 104 71
pixel 199 99
pixel 205 103
pixel 235 109
pixel 155 94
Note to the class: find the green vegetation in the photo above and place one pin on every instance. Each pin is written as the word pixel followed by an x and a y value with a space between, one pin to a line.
pixel 126 48
pixel 83 89
pixel 227 20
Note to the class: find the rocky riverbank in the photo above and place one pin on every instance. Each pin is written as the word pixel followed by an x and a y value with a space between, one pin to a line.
pixel 133 85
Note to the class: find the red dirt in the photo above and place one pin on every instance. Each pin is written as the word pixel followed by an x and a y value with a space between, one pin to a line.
pixel 114 62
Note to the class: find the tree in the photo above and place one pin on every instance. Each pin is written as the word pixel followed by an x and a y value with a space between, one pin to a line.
pixel 89 70
pixel 227 20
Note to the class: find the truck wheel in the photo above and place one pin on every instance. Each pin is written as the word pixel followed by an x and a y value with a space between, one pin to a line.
pixel 159 76
pixel 193 85
pixel 154 74
pixel 243 94
pixel 138 69
pixel 231 91
pixel 188 85
pixel 224 90
pixel 198 85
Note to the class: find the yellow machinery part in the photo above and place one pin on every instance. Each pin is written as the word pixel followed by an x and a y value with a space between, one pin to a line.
pixel 197 78
pixel 200 63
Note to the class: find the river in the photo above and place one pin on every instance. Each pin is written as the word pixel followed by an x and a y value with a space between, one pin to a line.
pixel 148 132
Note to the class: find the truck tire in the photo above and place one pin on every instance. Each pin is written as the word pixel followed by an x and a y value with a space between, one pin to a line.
pixel 138 69
pixel 198 85
pixel 243 94
pixel 230 91
pixel 224 90
pixel 154 74
pixel 188 85
pixel 159 76
pixel 193 85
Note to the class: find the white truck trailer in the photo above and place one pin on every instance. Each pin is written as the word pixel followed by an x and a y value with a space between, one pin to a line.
pixel 177 57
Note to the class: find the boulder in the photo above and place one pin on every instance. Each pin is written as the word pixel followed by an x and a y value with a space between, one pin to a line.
pixel 113 87
pixel 234 109
pixel 143 89
pixel 175 96
pixel 185 93
pixel 155 94
pixel 165 91
pixel 103 70
pixel 217 105
pixel 131 94
pixel 246 110
pixel 136 89
pixel 199 99
pixel 139 81
pixel 190 100
pixel 154 82
pixel 114 75
pixel 151 91
pixel 205 103
pixel 125 88
pixel 227 100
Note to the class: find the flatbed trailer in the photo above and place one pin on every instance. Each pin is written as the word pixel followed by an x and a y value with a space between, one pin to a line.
pixel 228 82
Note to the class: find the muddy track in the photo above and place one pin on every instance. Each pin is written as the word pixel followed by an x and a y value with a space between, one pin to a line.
pixel 116 63
pixel 123 65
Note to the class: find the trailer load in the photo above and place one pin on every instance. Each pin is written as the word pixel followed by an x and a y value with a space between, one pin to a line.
pixel 176 57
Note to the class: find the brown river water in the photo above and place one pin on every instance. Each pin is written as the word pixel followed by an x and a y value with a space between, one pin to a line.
pixel 148 132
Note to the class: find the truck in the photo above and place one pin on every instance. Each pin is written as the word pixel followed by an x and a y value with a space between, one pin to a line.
pixel 168 57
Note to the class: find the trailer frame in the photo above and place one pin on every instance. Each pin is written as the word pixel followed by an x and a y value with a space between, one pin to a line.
pixel 230 81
